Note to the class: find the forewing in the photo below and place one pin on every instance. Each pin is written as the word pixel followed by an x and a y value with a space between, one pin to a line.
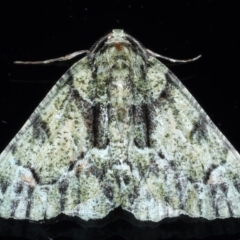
pixel 190 167
pixel 51 166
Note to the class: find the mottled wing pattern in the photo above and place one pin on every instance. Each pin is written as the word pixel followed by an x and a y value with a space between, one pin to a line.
pixel 189 167
pixel 119 129
pixel 51 166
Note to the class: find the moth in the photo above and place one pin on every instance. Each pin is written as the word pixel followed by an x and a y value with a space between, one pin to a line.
pixel 119 129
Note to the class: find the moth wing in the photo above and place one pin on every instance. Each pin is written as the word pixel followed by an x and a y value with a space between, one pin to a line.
pixel 190 167
pixel 50 167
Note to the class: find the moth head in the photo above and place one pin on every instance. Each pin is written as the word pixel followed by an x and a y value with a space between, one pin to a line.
pixel 118 38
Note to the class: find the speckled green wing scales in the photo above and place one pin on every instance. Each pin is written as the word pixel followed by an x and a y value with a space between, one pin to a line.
pixel 119 129
pixel 50 166
pixel 190 168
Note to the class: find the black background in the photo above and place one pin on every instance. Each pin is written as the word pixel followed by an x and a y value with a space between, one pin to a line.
pixel 39 30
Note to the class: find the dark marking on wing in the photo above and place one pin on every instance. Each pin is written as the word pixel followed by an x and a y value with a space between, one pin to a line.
pixel 208 173
pixel 4 185
pixel 118 180
pixel 11 147
pixel 178 186
pixel 172 164
pixel 230 209
pixel 35 175
pixel 143 122
pixel 224 188
pixel 143 68
pixel 17 162
pixel 126 179
pixel 100 126
pixel 153 168
pixel 96 110
pixel 237 185
pixel 81 155
pixel 71 166
pixel 180 189
pixel 73 163
pixel 129 164
pixel 171 79
pixel 148 196
pixel 199 204
pixel 150 64
pixel 51 182
pixel 181 185
pixel 14 205
pixel 140 127
pixel 62 188
pixel 196 186
pixel 87 110
pixel 161 155
pixel 213 190
pixel 166 93
pixel 166 199
pixel 148 118
pixel 217 211
pixel 97 172
pixel 29 202
pixel 165 97
pixel 133 195
pixel 190 179
pixel 18 188
pixel 176 175
pixel 34 118
pixel 108 192
pixel 40 128
pixel 181 205
pixel 199 131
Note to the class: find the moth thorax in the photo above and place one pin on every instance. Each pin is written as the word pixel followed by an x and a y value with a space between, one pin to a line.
pixel 118 50
pixel 118 46
pixel 122 114
pixel 120 94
